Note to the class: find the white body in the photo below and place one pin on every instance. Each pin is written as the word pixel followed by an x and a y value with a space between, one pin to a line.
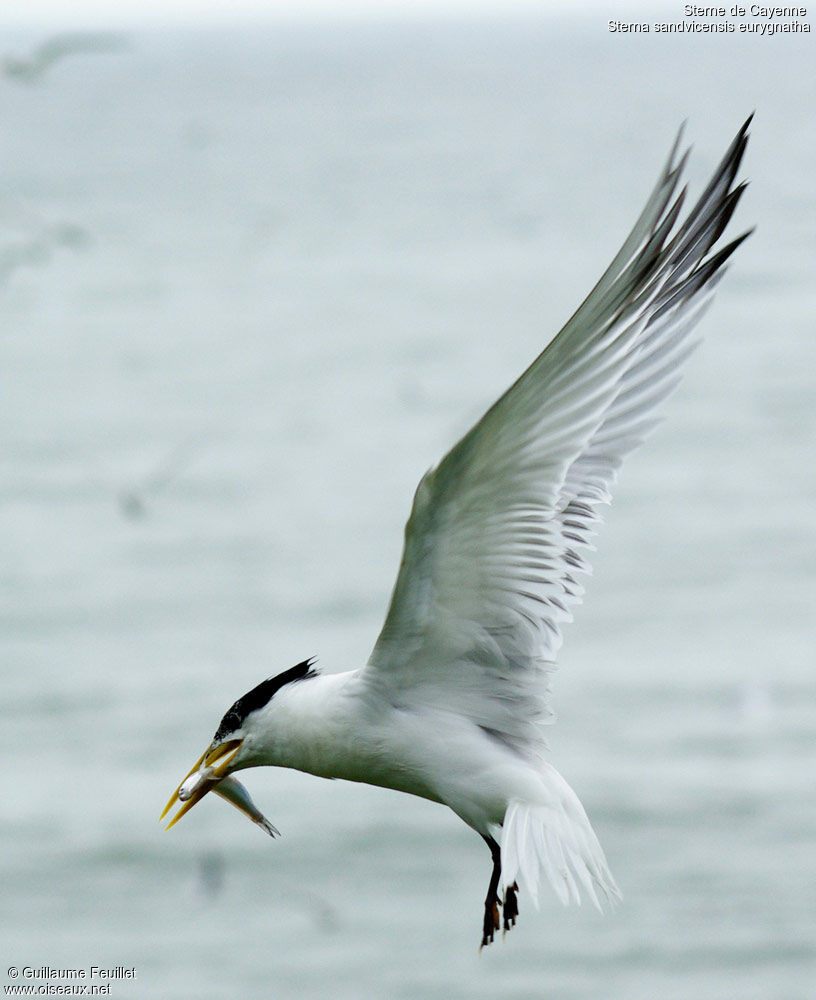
pixel 329 726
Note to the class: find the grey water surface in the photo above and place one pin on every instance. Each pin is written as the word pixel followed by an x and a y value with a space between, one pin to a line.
pixel 252 284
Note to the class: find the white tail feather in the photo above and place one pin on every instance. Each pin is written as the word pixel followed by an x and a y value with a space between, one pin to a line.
pixel 557 838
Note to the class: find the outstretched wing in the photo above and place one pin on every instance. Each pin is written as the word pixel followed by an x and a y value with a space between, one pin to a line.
pixel 499 530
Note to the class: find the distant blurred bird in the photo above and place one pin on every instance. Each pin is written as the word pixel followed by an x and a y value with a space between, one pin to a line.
pixel 30 69
pixel 30 253
pixel 134 501
pixel 450 704
pixel 27 238
pixel 211 873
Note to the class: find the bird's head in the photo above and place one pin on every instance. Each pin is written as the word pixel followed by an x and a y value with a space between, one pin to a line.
pixel 232 749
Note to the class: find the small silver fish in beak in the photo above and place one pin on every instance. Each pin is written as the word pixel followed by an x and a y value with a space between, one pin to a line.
pixel 233 791
pixel 209 774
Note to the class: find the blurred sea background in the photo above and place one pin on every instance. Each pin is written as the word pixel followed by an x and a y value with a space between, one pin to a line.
pixel 254 280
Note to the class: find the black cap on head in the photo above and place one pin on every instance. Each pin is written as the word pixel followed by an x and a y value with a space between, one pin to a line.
pixel 260 696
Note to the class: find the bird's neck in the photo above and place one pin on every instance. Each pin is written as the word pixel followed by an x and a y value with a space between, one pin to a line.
pixel 312 725
pixel 327 725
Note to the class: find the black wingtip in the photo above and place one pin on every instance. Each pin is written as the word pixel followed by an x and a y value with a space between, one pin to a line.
pixel 727 209
pixel 711 266
pixel 678 139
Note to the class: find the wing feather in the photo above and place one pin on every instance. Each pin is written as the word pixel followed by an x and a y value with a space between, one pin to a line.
pixel 500 529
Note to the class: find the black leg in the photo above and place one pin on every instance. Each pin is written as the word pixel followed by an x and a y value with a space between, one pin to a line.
pixel 491 911
pixel 510 906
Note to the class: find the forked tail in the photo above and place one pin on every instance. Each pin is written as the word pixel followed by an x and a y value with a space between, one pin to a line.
pixel 555 838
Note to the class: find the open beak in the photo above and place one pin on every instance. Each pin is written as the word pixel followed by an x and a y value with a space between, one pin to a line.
pixel 202 777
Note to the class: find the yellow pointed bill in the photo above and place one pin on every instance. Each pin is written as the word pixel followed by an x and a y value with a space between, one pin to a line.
pixel 210 775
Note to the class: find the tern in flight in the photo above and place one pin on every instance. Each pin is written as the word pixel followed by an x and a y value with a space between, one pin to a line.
pixel 451 703
pixel 32 68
